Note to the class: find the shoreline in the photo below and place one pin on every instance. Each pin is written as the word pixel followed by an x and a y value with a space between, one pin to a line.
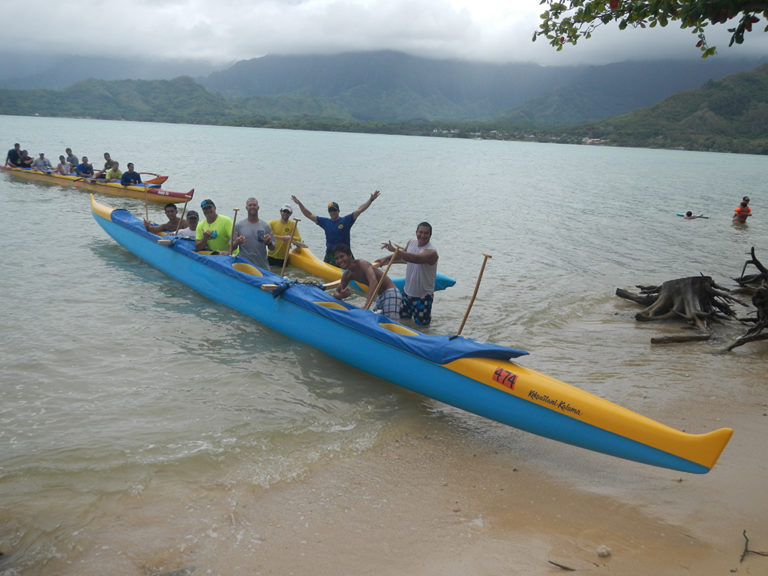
pixel 430 499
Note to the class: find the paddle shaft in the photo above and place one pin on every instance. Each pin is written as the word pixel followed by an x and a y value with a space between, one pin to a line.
pixel 474 295
pixel 184 211
pixel 288 246
pixel 232 236
pixel 372 295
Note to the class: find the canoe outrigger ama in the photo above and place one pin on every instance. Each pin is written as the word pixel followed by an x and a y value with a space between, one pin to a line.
pixel 150 191
pixel 462 372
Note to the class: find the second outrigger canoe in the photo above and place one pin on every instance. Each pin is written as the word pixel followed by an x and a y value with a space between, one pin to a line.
pixel 301 257
pixel 148 192
pixel 474 376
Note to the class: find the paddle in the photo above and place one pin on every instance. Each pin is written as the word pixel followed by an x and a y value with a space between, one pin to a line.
pixel 288 246
pixel 273 287
pixel 184 211
pixel 477 287
pixel 232 236
pixel 372 295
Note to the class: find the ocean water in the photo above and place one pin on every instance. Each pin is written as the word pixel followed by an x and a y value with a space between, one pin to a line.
pixel 114 376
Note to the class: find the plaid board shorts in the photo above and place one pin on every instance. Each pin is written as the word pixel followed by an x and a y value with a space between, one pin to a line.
pixel 388 302
pixel 418 308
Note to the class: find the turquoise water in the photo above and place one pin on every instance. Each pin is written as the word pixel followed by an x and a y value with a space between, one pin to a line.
pixel 113 375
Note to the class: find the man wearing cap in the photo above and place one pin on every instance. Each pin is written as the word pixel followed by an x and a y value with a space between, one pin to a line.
pixel 41 163
pixel 215 231
pixel 281 232
pixel 336 228
pixel 191 231
pixel 254 236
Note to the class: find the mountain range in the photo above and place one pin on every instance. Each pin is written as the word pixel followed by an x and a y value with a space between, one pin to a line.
pixel 383 92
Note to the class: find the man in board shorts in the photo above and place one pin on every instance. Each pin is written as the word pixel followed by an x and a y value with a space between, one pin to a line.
pixel 420 257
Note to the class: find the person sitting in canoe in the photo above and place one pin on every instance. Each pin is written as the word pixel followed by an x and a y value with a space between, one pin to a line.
pixel 191 230
pixel 71 158
pixel 26 160
pixel 114 174
pixel 214 232
pixel 42 164
pixel 130 177
pixel 85 168
pixel 13 159
pixel 388 299
pixel 281 232
pixel 336 229
pixel 108 162
pixel 63 167
pixel 173 224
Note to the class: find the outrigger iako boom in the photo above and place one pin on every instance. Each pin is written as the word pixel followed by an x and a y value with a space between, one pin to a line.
pixel 470 375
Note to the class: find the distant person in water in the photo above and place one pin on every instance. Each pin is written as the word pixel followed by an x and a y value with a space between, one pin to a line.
pixel 691 216
pixel 742 212
pixel 130 177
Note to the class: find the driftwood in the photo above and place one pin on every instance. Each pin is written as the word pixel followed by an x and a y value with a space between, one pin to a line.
pixel 696 299
pixel 759 299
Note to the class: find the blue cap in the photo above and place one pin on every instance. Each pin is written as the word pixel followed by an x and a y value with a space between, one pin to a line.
pixel 206 203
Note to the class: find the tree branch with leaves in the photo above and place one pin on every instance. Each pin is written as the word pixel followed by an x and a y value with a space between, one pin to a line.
pixel 568 22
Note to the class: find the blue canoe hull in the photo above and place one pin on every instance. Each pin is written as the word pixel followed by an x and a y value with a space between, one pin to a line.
pixel 461 372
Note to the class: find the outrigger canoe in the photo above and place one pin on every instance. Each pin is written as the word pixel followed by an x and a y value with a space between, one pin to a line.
pixel 148 191
pixel 474 376
pixel 301 257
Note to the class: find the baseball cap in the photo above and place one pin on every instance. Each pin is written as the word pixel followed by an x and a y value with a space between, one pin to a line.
pixel 206 203
pixel 192 214
pixel 287 208
pixel 333 206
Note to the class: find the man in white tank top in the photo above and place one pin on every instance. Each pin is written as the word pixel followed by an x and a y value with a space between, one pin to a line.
pixel 420 257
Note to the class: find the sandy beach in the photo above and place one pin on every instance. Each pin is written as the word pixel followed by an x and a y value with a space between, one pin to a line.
pixel 436 501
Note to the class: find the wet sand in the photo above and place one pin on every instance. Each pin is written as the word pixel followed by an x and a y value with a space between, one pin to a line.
pixel 437 501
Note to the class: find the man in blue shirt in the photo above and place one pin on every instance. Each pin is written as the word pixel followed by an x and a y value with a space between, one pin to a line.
pixel 130 177
pixel 336 228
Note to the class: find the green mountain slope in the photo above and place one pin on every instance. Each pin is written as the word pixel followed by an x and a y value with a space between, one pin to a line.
pixel 727 115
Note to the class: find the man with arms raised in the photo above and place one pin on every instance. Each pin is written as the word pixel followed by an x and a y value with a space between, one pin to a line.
pixel 336 228
pixel 420 257
pixel 254 236
pixel 214 232
pixel 388 298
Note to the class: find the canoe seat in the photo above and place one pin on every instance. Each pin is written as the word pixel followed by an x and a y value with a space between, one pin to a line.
pixel 398 329
pixel 331 304
pixel 247 269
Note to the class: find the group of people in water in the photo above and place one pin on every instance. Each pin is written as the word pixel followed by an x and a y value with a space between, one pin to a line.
pixel 70 165
pixel 267 243
pixel 741 213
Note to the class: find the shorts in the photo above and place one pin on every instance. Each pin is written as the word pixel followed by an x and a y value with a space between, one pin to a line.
pixel 389 303
pixel 420 309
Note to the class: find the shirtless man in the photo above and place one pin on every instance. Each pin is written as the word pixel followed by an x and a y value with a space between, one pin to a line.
pixel 388 299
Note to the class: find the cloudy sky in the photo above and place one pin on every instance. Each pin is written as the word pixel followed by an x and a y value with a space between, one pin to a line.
pixel 228 30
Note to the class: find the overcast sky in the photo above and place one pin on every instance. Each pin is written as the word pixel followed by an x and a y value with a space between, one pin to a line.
pixel 229 30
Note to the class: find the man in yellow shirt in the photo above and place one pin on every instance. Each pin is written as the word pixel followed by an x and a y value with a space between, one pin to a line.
pixel 214 232
pixel 281 232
